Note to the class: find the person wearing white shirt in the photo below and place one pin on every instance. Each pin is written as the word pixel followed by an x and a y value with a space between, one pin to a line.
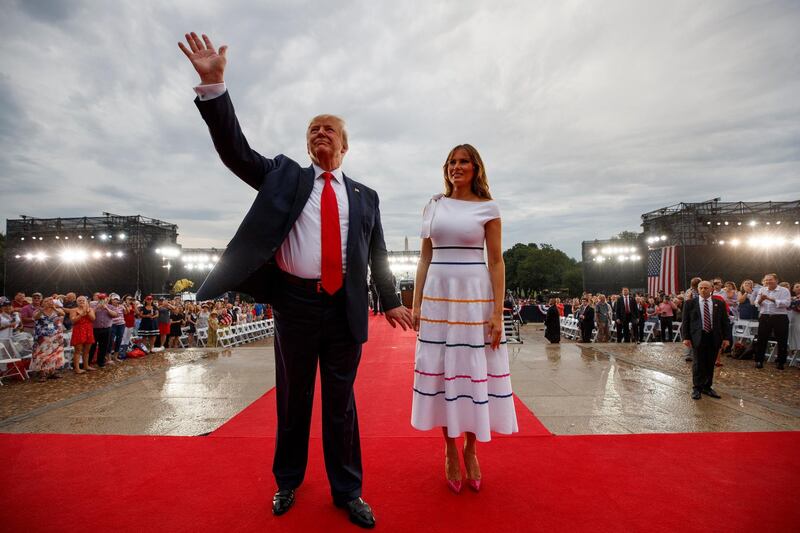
pixel 773 320
pixel 304 246
pixel 9 321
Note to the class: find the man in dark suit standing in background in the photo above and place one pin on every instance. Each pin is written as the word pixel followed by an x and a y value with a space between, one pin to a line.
pixel 625 315
pixel 303 246
pixel 585 316
pixel 705 328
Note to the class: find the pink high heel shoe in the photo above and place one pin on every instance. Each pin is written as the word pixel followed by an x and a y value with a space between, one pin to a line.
pixel 473 483
pixel 453 484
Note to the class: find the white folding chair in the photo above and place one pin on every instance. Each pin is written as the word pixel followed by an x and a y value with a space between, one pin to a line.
pixel 649 327
pixel 13 363
pixel 676 332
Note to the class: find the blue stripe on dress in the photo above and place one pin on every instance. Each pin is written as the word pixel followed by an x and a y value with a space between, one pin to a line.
pixel 478 402
pixel 459 345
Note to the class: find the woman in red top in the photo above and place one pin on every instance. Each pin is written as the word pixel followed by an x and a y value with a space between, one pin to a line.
pixel 82 334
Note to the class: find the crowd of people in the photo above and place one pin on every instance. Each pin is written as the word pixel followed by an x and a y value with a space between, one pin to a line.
pixel 102 328
pixel 775 305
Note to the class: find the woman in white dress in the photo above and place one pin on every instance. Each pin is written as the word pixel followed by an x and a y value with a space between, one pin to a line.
pixel 461 376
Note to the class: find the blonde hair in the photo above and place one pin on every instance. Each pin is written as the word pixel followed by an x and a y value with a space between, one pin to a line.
pixel 480 183
pixel 336 119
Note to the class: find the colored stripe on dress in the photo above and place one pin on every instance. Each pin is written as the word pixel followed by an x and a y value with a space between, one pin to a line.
pixel 451 323
pixel 478 402
pixel 437 299
pixel 462 376
pixel 459 345
pixel 458 247
pixel 454 263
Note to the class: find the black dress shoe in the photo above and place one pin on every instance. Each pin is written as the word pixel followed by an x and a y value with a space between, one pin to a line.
pixel 360 512
pixel 779 366
pixel 689 358
pixel 695 394
pixel 711 392
pixel 759 364
pixel 282 501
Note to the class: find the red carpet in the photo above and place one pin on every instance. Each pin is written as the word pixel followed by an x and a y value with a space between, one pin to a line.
pixel 532 481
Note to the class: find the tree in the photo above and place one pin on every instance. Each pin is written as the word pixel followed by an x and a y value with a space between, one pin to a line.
pixel 532 267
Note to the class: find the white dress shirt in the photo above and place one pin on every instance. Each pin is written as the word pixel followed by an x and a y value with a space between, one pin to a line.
pixel 703 301
pixel 780 306
pixel 301 253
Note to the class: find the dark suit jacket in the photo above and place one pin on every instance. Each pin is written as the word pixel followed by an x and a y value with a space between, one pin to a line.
pixel 619 307
pixel 588 317
pixel 552 322
pixel 248 264
pixel 692 322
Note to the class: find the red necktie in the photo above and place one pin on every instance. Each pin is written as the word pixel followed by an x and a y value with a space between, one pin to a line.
pixel 706 316
pixel 331 267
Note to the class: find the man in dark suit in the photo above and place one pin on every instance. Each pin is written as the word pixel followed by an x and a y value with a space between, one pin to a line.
pixel 303 247
pixel 625 315
pixel 585 316
pixel 705 328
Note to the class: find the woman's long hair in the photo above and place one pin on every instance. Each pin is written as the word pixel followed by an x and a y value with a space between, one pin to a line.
pixel 480 183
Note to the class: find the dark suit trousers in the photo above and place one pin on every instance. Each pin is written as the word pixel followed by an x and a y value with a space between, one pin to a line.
pixel 705 356
pixel 312 328
pixel 586 331
pixel 772 325
pixel 624 329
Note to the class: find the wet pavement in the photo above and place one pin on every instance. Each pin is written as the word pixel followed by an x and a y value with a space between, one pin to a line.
pixel 627 388
pixel 571 388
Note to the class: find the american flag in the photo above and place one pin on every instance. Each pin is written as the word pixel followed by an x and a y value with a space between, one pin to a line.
pixel 662 270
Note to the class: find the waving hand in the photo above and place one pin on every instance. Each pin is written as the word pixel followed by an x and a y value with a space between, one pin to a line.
pixel 206 60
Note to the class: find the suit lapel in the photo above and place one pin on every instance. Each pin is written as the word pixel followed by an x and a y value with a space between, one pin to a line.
pixel 304 187
pixel 355 211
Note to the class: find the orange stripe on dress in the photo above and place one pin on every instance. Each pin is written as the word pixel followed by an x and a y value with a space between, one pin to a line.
pixel 435 299
pixel 448 322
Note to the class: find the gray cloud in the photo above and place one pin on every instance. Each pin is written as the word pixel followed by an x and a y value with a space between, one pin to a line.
pixel 587 115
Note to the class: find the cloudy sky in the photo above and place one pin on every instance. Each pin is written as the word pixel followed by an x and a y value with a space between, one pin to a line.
pixel 587 114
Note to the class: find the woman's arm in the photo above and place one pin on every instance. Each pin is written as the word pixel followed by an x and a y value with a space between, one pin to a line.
pixel 497 273
pixel 425 254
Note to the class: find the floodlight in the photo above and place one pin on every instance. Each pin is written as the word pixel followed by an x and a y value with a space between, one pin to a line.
pixel 122 236
pixel 119 254
pixel 594 251
pixel 96 254
pixel 735 242
pixel 215 258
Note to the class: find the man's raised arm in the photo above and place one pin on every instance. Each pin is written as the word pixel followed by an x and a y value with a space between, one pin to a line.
pixel 218 112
